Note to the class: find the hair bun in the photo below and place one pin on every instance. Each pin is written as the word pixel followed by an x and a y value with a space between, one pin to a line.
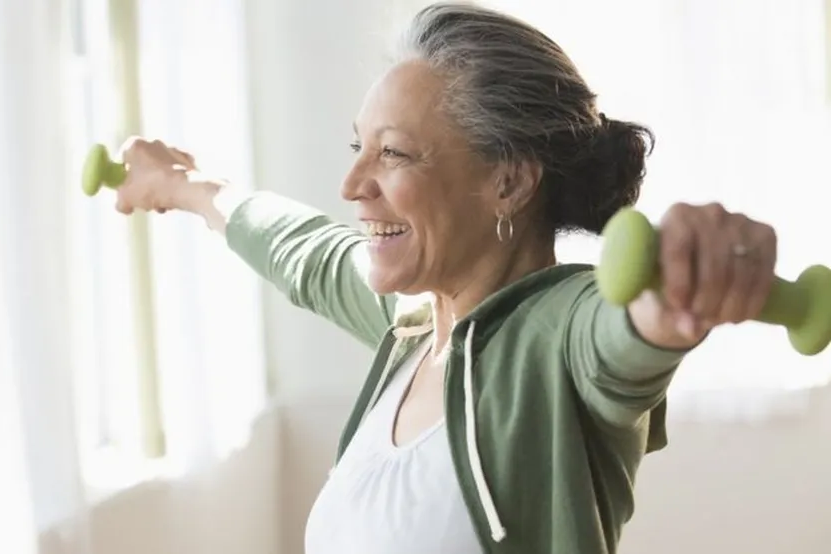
pixel 609 176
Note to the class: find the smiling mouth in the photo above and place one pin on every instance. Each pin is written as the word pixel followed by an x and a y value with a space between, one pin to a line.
pixel 380 230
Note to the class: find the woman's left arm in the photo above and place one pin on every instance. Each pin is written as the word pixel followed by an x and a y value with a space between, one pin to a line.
pixel 716 267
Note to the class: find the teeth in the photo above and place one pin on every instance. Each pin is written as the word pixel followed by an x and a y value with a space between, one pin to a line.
pixel 378 228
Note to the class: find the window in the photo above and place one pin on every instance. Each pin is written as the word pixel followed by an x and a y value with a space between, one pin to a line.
pixel 167 333
pixel 104 334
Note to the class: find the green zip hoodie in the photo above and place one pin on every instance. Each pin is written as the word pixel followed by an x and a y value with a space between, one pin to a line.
pixel 551 398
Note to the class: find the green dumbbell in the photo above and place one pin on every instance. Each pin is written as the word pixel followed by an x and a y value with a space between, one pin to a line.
pixel 100 170
pixel 629 265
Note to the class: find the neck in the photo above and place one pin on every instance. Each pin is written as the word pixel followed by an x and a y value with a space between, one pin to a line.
pixel 484 278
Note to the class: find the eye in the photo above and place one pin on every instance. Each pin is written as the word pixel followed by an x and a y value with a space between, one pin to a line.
pixel 355 146
pixel 392 153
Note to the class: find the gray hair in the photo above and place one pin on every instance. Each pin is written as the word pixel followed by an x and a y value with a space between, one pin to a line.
pixel 518 97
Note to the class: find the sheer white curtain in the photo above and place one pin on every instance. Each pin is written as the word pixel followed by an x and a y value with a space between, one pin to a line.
pixel 70 406
pixel 15 496
pixel 40 477
pixel 211 353
pixel 735 92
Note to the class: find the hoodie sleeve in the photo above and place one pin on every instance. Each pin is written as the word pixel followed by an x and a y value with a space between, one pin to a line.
pixel 617 373
pixel 319 265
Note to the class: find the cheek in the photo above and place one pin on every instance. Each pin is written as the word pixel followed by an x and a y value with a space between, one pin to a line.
pixel 414 199
pixel 438 211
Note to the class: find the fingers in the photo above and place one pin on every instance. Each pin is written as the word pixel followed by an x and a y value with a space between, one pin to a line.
pixel 137 149
pixel 125 202
pixel 678 257
pixel 743 273
pixel 126 205
pixel 185 158
pixel 127 151
pixel 766 269
pixel 753 272
pixel 716 266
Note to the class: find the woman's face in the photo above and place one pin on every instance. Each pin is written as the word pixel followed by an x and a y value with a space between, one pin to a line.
pixel 428 202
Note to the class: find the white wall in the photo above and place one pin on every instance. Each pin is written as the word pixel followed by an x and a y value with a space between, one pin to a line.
pixel 726 489
pixel 226 508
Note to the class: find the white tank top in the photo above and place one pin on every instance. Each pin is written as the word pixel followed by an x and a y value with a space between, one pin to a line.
pixel 386 499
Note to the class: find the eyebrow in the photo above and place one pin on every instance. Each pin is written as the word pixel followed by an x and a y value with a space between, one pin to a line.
pixel 381 130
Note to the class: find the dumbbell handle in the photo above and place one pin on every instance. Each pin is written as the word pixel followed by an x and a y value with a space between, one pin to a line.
pixel 629 265
pixel 100 170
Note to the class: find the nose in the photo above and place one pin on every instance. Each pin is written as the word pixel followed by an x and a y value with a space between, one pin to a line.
pixel 359 184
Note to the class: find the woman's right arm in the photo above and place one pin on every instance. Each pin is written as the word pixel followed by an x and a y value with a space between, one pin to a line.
pixel 320 265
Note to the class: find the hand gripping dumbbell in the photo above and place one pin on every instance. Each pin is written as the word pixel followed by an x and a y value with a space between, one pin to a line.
pixel 629 265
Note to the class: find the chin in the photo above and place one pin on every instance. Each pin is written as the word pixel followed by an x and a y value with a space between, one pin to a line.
pixel 384 281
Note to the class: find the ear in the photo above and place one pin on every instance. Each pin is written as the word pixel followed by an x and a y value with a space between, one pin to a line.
pixel 517 183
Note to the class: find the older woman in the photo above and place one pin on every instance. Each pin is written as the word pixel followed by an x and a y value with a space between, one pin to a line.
pixel 510 411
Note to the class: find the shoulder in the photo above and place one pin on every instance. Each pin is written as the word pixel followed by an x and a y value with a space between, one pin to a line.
pixel 538 305
pixel 562 293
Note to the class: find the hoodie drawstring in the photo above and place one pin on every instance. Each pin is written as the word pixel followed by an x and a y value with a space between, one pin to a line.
pixel 497 529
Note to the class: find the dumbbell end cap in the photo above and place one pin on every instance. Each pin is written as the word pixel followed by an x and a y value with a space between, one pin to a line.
pixel 814 334
pixel 629 257
pixel 94 168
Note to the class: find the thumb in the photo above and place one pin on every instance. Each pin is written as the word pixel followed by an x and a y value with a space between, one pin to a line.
pixel 121 205
pixel 691 327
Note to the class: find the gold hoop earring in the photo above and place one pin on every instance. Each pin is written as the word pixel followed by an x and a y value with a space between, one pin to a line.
pixel 500 233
